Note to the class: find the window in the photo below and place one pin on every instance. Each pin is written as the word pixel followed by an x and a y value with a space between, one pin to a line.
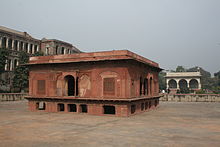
pixel 146 105
pixel 60 107
pixel 41 86
pixel 72 108
pixel 133 109
pixel 142 106
pixel 109 109
pixel 83 108
pixel 109 86
pixel 40 106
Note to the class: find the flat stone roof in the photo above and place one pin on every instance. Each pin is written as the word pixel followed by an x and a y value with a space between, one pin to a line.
pixel 182 74
pixel 93 99
pixel 92 56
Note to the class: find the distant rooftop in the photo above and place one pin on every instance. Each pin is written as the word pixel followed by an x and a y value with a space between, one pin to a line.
pixel 24 34
pixel 183 74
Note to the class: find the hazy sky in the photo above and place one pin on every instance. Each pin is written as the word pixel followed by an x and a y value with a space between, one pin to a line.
pixel 170 32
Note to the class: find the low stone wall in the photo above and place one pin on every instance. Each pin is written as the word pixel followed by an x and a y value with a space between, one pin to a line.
pixel 191 98
pixel 12 96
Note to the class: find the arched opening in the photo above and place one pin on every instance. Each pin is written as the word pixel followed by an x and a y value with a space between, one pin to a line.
pixel 9 64
pixel 145 86
pixel 15 63
pixel 140 86
pixel 4 39
pixel 35 48
pixel 26 47
pixel 77 86
pixel 62 50
pixel 31 49
pixel 183 84
pixel 10 43
pixel 172 83
pixel 109 109
pixel 70 82
pixel 16 45
pixel 21 46
pixel 193 84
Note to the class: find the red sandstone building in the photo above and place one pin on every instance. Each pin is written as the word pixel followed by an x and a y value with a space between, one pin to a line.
pixel 119 83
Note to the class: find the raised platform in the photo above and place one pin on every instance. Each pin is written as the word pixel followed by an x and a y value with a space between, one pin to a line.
pixel 115 107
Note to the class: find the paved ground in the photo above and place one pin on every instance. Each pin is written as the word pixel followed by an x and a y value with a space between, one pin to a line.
pixel 172 124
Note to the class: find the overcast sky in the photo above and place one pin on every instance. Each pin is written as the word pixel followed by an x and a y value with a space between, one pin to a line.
pixel 170 32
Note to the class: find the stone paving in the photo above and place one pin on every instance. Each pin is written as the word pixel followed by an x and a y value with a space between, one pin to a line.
pixel 171 124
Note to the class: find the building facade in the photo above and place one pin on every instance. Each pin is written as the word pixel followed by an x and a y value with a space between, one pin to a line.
pixel 118 83
pixel 183 80
pixel 16 41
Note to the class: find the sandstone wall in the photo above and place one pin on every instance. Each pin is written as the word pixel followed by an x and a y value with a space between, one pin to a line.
pixel 12 96
pixel 191 98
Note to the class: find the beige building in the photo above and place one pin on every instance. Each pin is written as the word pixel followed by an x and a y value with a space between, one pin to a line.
pixel 17 41
pixel 183 80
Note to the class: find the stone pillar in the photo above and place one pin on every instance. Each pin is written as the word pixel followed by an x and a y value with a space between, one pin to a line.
pixel 37 48
pixel 6 42
pixel 167 83
pixel 12 44
pixel 23 46
pixel 188 80
pixel 199 84
pixel 18 46
pixel 177 83
pixel 28 48
pixel 6 65
pixel 11 66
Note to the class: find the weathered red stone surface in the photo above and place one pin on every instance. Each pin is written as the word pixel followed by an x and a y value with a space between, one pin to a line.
pixel 118 83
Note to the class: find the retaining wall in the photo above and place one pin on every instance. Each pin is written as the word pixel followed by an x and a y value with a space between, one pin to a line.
pixel 191 98
pixel 12 96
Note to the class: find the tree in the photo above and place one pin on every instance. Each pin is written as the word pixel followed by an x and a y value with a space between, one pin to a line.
pixel 4 53
pixel 180 69
pixel 162 82
pixel 21 72
pixel 206 80
pixel 3 57
pixel 20 80
pixel 38 54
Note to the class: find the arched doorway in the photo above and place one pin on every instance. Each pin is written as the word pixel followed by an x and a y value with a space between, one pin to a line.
pixel 172 83
pixel 183 84
pixel 193 84
pixel 145 86
pixel 70 82
pixel 140 86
